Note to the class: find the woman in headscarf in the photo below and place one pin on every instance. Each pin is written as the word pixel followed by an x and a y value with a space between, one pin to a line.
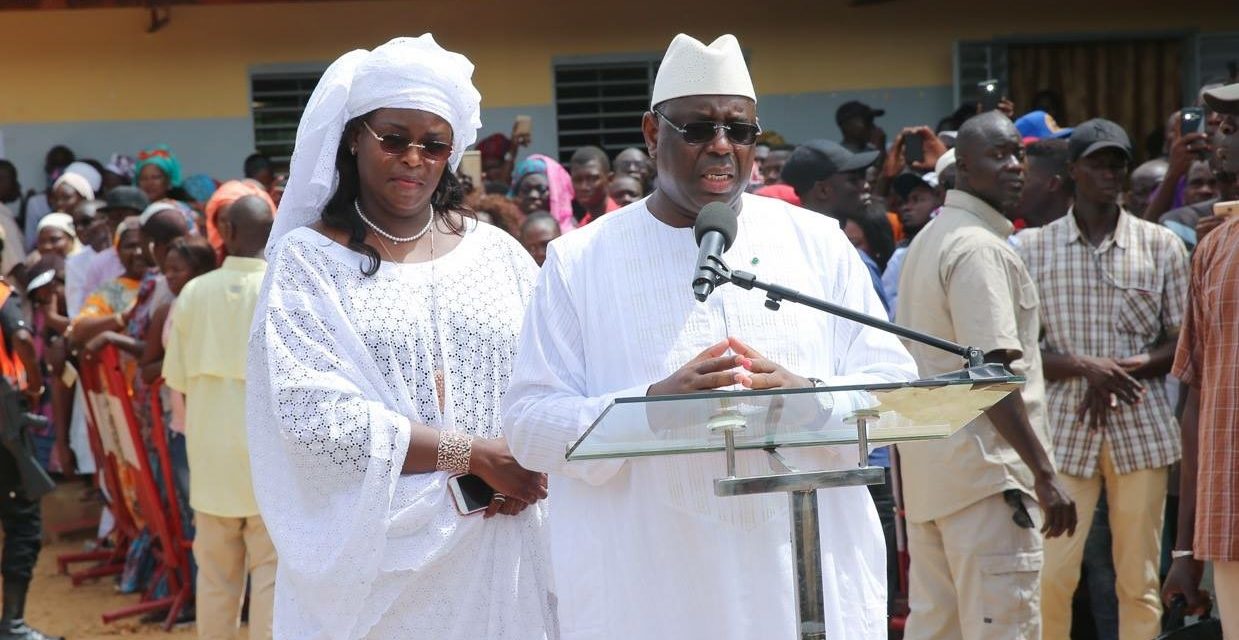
pixel 57 235
pixel 541 184
pixel 382 345
pixel 68 191
pixel 159 174
pixel 109 308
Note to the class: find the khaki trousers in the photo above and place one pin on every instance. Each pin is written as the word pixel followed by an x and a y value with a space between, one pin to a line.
pixel 221 548
pixel 1226 584
pixel 1137 507
pixel 974 574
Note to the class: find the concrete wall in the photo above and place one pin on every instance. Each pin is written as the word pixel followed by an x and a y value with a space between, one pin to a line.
pixel 95 80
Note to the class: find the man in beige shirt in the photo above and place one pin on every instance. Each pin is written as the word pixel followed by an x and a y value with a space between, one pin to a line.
pixel 974 531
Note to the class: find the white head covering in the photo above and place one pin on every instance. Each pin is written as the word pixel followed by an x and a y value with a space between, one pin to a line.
pixel 405 73
pixel 87 171
pixel 945 161
pixel 76 182
pixel 62 221
pixel 690 68
pixel 153 208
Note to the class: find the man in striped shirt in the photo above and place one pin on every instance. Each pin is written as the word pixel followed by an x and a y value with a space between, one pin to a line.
pixel 1206 362
pixel 1113 290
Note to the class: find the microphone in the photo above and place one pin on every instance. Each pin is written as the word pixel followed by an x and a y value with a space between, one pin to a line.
pixel 715 230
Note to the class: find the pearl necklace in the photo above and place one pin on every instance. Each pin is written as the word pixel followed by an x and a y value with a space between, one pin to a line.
pixel 429 220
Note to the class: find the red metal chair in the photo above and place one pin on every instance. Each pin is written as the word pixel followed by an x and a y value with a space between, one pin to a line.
pixel 182 545
pixel 135 463
pixel 104 447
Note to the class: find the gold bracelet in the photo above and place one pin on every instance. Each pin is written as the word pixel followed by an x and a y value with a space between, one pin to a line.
pixel 454 452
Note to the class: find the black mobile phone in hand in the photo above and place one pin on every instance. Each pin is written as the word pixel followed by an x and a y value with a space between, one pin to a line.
pixel 1191 120
pixel 991 94
pixel 913 149
pixel 470 493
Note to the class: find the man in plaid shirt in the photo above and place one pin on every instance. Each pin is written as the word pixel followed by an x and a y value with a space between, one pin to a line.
pixel 1113 289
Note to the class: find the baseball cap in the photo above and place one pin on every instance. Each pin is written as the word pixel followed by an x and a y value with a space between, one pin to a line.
pixel 908 181
pixel 126 197
pixel 819 159
pixel 1040 125
pixel 854 109
pixel 1224 100
pixel 1094 135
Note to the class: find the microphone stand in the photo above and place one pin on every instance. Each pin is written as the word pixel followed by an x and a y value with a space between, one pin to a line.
pixel 776 295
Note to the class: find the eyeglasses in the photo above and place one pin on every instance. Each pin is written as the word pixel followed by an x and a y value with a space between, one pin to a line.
pixel 743 133
pixel 395 144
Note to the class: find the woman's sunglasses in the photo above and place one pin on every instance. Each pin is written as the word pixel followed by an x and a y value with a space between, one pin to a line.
pixel 744 133
pixel 395 144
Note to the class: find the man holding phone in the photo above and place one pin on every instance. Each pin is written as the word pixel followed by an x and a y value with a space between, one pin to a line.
pixel 1189 142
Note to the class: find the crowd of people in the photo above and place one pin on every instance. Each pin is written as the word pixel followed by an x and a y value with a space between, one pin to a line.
pixel 375 321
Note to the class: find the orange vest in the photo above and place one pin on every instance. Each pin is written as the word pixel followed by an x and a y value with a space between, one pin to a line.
pixel 10 365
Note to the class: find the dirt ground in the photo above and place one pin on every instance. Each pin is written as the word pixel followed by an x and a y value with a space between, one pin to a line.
pixel 56 607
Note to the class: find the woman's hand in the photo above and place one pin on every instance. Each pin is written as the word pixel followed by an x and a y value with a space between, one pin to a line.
pixel 492 461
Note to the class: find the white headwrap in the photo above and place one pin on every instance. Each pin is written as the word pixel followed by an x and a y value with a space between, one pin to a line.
pixel 405 73
pixel 62 221
pixel 153 208
pixel 76 182
pixel 87 171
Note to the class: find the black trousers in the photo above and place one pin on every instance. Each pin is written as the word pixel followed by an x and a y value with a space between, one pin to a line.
pixel 22 521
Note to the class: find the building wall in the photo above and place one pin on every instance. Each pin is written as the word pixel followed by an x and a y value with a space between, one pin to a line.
pixel 95 80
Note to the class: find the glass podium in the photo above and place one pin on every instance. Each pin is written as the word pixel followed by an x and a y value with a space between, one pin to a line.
pixel 731 421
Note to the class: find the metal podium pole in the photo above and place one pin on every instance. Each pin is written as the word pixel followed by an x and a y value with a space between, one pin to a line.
pixel 801 488
pixel 807 552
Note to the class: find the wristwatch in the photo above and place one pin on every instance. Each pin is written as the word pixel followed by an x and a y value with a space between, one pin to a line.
pixel 827 400
pixel 1180 553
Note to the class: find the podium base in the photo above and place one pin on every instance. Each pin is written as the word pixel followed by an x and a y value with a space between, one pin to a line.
pixel 798 481
pixel 801 489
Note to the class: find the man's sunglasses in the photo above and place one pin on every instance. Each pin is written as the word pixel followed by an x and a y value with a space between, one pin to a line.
pixel 397 145
pixel 744 133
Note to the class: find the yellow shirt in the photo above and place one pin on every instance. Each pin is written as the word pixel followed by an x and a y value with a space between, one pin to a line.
pixel 205 360
pixel 962 281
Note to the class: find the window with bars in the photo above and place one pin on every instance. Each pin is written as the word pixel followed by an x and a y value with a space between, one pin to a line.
pixel 601 104
pixel 976 62
pixel 277 101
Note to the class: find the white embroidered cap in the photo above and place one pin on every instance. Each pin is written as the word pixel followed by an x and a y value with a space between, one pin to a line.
pixel 154 208
pixel 945 161
pixel 691 68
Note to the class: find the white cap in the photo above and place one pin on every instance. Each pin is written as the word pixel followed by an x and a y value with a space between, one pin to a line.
pixel 945 161
pixel 690 68
pixel 153 208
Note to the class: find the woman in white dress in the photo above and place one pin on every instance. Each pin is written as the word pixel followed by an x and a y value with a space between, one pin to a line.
pixel 383 342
